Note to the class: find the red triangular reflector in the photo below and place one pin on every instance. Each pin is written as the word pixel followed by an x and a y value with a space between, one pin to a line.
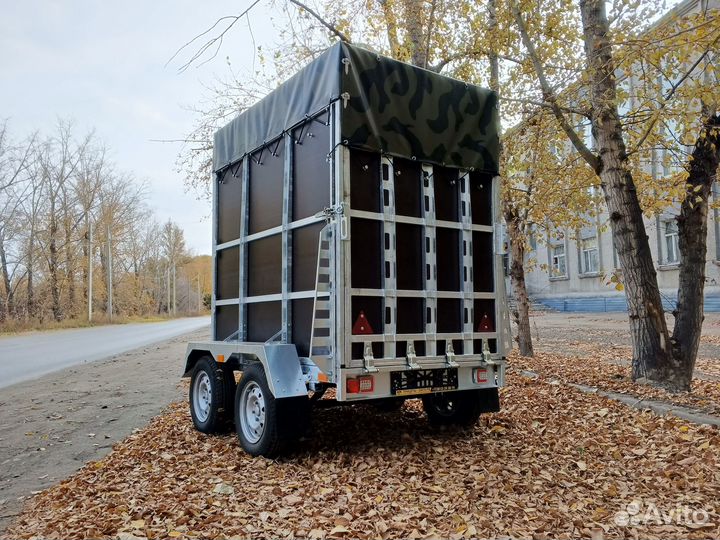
pixel 362 326
pixel 486 324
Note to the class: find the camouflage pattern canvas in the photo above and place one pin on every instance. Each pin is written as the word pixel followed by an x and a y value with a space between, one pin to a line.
pixel 414 113
pixel 386 106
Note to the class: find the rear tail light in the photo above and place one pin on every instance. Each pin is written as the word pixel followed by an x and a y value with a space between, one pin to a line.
pixel 480 375
pixel 360 385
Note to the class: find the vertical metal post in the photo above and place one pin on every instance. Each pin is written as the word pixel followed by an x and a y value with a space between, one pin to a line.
pixel 387 198
pixel 467 262
pixel 430 260
pixel 214 281
pixel 339 298
pixel 90 270
pixel 242 249
pixel 502 313
pixel 287 239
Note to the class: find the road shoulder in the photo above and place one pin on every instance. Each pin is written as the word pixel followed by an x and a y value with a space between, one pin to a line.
pixel 53 425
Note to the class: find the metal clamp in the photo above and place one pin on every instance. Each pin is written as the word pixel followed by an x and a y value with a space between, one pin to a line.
pixel 450 355
pixel 368 359
pixel 486 352
pixel 329 212
pixel 411 363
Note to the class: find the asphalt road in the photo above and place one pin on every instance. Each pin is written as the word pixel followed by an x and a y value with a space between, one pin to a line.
pixel 29 356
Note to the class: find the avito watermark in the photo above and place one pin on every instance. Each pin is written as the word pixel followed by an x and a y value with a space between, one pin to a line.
pixel 639 513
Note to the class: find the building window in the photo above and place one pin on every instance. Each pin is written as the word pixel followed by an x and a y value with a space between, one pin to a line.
pixel 589 256
pixel 672 251
pixel 558 264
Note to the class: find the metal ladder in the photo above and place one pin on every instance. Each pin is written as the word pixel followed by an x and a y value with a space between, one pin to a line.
pixel 321 341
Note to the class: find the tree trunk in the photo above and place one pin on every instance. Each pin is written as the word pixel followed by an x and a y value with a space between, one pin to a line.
pixel 103 277
pixel 70 267
pixel 416 40
pixel 9 294
pixel 517 279
pixel 86 266
pixel 692 240
pixel 652 356
pixel 53 267
pixel 30 297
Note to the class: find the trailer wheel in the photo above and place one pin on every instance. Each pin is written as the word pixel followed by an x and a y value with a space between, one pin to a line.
pixel 460 408
pixel 266 426
pixel 208 397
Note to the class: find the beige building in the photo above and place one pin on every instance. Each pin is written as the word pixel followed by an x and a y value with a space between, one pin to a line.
pixel 580 263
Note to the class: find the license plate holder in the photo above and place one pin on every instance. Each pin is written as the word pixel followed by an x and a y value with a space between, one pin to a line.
pixel 423 381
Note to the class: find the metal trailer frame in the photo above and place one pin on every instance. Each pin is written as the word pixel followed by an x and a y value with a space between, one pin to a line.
pixel 329 361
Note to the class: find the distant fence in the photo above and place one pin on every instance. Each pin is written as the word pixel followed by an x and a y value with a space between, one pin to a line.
pixel 602 304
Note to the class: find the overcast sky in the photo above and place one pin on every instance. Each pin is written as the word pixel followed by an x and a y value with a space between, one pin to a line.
pixel 103 65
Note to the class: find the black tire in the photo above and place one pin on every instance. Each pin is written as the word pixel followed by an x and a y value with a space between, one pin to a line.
pixel 388 405
pixel 230 387
pixel 460 408
pixel 209 384
pixel 278 422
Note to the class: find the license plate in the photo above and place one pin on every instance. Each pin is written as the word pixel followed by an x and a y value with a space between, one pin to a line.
pixel 423 381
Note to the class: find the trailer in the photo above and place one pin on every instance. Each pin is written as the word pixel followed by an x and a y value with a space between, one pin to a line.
pixel 357 247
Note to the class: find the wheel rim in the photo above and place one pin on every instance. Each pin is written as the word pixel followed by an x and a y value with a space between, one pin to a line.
pixel 252 412
pixel 443 404
pixel 202 396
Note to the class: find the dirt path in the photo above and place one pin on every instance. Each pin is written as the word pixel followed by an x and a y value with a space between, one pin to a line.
pixel 51 426
pixel 558 332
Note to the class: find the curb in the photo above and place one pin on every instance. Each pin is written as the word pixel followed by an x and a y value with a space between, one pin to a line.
pixel 660 408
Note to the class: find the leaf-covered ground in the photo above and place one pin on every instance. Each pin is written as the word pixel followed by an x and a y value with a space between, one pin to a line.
pixel 608 368
pixel 554 463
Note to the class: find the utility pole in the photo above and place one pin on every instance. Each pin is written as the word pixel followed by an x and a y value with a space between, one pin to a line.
pixel 90 270
pixel 167 277
pixel 110 274
pixel 174 282
pixel 199 295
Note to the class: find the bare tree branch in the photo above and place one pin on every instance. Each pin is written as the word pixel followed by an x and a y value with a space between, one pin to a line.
pixel 548 105
pixel 322 21
pixel 656 114
pixel 208 44
pixel 549 94
pixel 474 53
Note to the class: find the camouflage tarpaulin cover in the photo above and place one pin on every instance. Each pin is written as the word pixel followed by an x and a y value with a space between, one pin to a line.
pixel 387 106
